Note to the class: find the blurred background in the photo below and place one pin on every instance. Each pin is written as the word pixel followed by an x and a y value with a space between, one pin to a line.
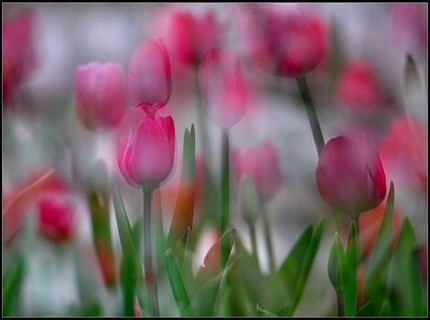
pixel 41 130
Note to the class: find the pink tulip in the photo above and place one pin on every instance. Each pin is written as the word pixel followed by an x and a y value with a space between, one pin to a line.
pixel 404 154
pixel 409 25
pixel 100 95
pixel 222 87
pixel 149 75
pixel 289 40
pixel 146 148
pixel 357 87
pixel 56 218
pixel 350 176
pixel 190 36
pixel 18 52
pixel 260 163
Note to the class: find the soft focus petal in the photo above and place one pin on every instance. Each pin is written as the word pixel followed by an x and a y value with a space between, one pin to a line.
pixel 149 75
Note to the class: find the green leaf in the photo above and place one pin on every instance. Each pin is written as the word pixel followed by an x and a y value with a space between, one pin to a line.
pixel 177 284
pixel 184 207
pixel 365 310
pixel 205 298
pixel 375 273
pixel 250 207
pixel 131 274
pixel 349 273
pixel 406 292
pixel 263 312
pixel 335 263
pixel 12 282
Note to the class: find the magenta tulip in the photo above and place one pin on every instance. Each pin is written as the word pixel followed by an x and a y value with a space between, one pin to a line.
pixel 222 87
pixel 284 39
pixel 149 75
pixel 260 163
pixel 146 148
pixel 350 176
pixel 56 218
pixel 100 95
pixel 191 35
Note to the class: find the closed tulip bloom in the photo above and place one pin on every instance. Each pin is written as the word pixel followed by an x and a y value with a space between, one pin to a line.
pixel 149 75
pixel 223 88
pixel 284 39
pixel 146 149
pixel 260 163
pixel 190 35
pixel 100 95
pixel 56 218
pixel 349 175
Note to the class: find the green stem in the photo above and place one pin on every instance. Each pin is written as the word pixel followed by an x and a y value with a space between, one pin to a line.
pixel 339 299
pixel 150 274
pixel 310 110
pixel 253 242
pixel 268 241
pixel 225 196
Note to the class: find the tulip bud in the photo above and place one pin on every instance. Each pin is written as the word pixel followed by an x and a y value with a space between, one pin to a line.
pixel 350 176
pixel 260 163
pixel 100 96
pixel 56 218
pixel 222 86
pixel 285 39
pixel 146 149
pixel 250 206
pixel 149 75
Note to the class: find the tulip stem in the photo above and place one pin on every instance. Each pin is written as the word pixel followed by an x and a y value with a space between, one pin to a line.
pixel 268 241
pixel 253 237
pixel 225 196
pixel 150 274
pixel 339 301
pixel 312 115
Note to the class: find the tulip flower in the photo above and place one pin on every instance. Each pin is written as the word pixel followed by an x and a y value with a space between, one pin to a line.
pixel 18 56
pixel 146 150
pixel 349 175
pixel 56 218
pixel 357 87
pixel 100 95
pixel 149 75
pixel 409 28
pixel 404 154
pixel 260 163
pixel 190 35
pixel 223 87
pixel 288 40
pixel 370 221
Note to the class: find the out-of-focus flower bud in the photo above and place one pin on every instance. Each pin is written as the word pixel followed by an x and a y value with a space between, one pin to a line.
pixel 146 150
pixel 249 204
pixel 404 154
pixel 350 176
pixel 149 75
pixel 409 25
pixel 100 94
pixel 190 35
pixel 56 218
pixel 260 163
pixel 284 39
pixel 370 221
pixel 18 52
pixel 357 87
pixel 223 87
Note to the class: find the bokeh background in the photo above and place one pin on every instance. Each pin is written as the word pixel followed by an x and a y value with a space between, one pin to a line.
pixel 40 128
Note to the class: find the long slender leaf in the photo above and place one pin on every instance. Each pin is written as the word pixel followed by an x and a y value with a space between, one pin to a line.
pixel 132 272
pixel 407 293
pixel 349 273
pixel 12 282
pixel 177 284
pixel 335 263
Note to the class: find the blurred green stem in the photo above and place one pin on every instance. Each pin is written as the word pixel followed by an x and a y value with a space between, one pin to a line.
pixel 339 300
pixel 268 241
pixel 253 242
pixel 150 273
pixel 312 115
pixel 225 196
